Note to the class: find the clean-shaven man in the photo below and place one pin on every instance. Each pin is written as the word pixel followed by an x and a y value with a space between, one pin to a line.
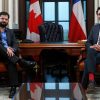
pixel 93 55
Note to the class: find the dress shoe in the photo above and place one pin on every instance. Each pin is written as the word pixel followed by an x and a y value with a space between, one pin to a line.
pixel 27 64
pixel 91 87
pixel 12 92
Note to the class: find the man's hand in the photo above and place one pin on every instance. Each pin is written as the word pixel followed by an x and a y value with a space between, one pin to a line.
pixel 96 47
pixel 10 52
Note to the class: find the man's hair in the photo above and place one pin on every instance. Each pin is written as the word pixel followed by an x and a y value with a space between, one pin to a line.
pixel 97 10
pixel 4 13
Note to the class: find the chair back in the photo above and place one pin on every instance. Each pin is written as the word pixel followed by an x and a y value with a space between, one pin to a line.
pixel 51 32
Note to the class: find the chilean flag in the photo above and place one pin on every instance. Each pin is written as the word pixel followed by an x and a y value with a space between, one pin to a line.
pixel 34 20
pixel 77 29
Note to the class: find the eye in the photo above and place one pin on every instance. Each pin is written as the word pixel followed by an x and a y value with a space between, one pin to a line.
pixel 4 19
pixel 99 14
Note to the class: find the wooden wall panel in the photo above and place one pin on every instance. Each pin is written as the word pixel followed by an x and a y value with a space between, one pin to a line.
pixel 90 15
pixel 22 18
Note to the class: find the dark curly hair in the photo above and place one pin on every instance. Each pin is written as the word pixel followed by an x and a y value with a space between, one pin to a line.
pixel 97 10
pixel 4 13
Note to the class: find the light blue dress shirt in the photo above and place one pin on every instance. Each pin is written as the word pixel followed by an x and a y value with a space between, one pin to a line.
pixel 4 39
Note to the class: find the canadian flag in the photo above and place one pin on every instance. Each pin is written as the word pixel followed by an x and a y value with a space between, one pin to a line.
pixel 36 90
pixel 77 29
pixel 35 19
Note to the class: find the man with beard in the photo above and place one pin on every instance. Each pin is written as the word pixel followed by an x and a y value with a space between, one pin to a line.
pixel 8 51
pixel 93 56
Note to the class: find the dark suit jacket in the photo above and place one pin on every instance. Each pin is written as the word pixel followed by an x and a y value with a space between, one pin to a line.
pixel 11 40
pixel 93 36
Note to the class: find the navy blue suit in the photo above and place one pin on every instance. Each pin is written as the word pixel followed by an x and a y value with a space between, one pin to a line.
pixel 93 56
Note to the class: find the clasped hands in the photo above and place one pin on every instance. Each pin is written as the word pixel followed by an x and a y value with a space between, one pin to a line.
pixel 96 47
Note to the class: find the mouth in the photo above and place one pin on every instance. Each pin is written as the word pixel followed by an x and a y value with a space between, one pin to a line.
pixel 3 23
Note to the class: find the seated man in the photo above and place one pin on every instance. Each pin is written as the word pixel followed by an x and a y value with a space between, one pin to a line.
pixel 8 50
pixel 93 55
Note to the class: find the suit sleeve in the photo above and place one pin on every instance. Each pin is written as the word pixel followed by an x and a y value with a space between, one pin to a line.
pixel 14 42
pixel 90 39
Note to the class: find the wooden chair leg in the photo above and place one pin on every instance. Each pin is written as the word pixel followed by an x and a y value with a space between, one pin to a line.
pixel 78 75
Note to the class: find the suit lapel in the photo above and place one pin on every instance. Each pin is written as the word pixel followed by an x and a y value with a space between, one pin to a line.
pixel 8 36
pixel 97 32
pixel 0 38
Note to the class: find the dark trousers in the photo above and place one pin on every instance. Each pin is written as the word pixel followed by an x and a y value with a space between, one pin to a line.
pixel 10 63
pixel 93 58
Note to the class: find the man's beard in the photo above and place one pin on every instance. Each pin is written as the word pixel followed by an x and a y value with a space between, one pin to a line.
pixel 3 25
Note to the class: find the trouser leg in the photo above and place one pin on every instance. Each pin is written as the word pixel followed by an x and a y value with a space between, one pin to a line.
pixel 98 58
pixel 91 60
pixel 13 74
pixel 10 64
pixel 90 65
